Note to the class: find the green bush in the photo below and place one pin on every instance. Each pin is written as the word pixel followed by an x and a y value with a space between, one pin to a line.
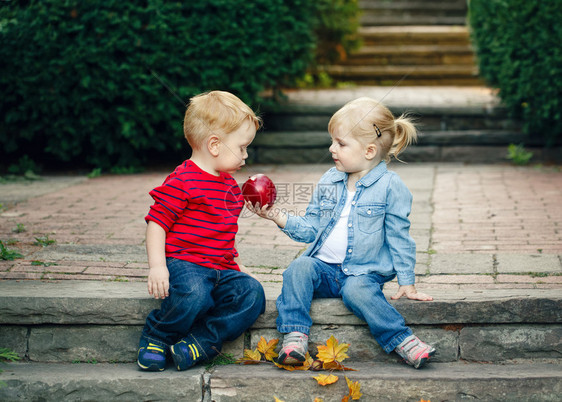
pixel 336 24
pixel 519 50
pixel 104 83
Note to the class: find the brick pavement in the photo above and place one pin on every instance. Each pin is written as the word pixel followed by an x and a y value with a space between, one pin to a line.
pixel 476 226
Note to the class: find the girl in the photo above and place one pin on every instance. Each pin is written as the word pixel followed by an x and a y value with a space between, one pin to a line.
pixel 358 227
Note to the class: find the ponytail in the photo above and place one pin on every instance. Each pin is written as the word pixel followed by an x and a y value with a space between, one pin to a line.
pixel 406 134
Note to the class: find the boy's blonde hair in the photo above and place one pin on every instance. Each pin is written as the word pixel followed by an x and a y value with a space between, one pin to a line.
pixel 215 112
pixel 365 118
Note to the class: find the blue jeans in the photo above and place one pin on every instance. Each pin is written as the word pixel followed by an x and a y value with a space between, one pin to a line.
pixel 206 305
pixel 309 278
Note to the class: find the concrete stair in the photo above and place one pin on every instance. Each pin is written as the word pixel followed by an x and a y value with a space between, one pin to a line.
pixel 455 124
pixel 414 42
pixel 412 12
pixel 78 342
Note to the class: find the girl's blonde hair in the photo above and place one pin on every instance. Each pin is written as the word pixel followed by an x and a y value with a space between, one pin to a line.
pixel 366 118
pixel 215 112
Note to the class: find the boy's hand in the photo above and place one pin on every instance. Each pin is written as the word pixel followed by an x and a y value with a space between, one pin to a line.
pixel 158 282
pixel 411 293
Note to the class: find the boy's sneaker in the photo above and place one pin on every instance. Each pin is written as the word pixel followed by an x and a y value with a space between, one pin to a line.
pixel 414 351
pixel 151 357
pixel 295 347
pixel 186 354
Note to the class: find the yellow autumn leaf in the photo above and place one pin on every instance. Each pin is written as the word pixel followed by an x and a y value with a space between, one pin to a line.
pixel 250 357
pixel 336 366
pixel 287 367
pixel 324 379
pixel 318 399
pixel 268 348
pixel 332 351
pixel 345 399
pixel 354 389
pixel 278 400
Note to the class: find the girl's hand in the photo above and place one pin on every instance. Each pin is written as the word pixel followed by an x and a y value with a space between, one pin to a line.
pixel 411 293
pixel 268 212
pixel 158 282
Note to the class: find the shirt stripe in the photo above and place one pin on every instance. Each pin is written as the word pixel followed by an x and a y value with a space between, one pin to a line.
pixel 199 213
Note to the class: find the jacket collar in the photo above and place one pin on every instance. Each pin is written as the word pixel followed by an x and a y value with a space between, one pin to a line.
pixel 374 174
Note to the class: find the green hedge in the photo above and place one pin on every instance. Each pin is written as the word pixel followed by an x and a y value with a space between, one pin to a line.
pixel 519 48
pixel 104 83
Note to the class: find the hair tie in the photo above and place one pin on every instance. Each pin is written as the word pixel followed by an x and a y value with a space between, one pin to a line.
pixel 377 130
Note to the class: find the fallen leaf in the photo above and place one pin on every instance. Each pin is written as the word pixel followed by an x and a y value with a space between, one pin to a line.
pixel 336 366
pixel 332 351
pixel 287 367
pixel 250 357
pixel 268 348
pixel 354 389
pixel 278 400
pixel 318 399
pixel 316 365
pixel 324 379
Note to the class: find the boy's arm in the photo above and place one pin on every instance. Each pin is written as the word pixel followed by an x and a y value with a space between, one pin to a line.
pixel 158 276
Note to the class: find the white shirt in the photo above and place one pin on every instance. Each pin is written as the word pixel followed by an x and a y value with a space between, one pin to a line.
pixel 334 249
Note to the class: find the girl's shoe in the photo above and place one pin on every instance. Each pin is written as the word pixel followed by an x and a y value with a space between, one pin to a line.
pixel 151 357
pixel 186 354
pixel 415 352
pixel 295 347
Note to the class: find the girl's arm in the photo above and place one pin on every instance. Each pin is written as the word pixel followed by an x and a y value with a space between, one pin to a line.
pixel 158 276
pixel 401 245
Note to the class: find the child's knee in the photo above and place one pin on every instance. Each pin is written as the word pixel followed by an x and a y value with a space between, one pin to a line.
pixel 301 268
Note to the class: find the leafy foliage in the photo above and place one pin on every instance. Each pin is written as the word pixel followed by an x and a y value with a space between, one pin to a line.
pixel 329 357
pixel 519 52
pixel 7 355
pixel 518 155
pixel 336 24
pixel 7 254
pixel 105 83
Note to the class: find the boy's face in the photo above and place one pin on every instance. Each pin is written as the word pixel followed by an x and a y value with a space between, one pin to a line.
pixel 233 148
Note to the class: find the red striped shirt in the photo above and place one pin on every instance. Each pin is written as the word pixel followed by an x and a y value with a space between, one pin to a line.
pixel 199 213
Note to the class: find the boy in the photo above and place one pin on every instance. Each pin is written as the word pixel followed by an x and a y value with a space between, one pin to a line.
pixel 190 241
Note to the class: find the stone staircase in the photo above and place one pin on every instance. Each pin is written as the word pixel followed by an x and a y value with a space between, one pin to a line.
pixel 78 339
pixel 455 124
pixel 414 42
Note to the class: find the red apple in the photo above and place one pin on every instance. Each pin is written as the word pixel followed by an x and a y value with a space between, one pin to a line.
pixel 259 188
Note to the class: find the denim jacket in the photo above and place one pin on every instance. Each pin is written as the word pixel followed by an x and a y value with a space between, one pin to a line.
pixel 378 228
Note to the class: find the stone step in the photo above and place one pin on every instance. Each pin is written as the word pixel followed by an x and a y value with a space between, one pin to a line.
pixel 525 380
pixel 401 5
pixel 412 12
pixel 412 55
pixel 81 321
pixel 414 35
pixel 381 18
pixel 427 74
pixel 311 117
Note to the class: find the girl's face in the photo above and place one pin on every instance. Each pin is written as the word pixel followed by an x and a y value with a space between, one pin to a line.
pixel 349 154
